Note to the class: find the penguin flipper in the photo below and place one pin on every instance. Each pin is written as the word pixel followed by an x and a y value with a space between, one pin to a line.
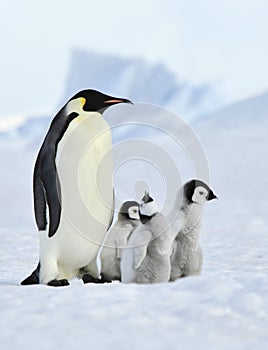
pixel 46 190
pixel 51 185
pixel 121 239
pixel 39 196
pixel 141 248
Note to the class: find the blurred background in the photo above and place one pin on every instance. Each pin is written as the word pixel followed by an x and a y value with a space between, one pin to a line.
pixel 204 60
pixel 198 53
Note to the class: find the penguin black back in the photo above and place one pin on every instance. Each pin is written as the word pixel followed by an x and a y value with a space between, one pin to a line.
pixel 46 177
pixel 46 184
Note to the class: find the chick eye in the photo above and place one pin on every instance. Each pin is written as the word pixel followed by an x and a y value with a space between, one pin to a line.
pixel 201 192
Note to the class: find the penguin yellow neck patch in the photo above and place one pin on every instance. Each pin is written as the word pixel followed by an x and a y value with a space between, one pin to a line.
pixel 76 105
pixel 83 101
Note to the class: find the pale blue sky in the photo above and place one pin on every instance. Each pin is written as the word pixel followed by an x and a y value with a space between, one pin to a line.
pixel 223 41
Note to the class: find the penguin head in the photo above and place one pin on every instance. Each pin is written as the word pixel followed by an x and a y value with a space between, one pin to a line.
pixel 197 191
pixel 133 212
pixel 93 101
pixel 148 206
pixel 146 198
pixel 129 210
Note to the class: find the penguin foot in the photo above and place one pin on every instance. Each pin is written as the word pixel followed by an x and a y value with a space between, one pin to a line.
pixel 87 278
pixel 105 280
pixel 58 283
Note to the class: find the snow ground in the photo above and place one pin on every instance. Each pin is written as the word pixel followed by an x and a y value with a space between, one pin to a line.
pixel 224 308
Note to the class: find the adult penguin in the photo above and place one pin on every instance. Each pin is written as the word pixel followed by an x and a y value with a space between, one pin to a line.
pixel 73 181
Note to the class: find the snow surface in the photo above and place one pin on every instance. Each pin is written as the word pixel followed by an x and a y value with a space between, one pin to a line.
pixel 224 308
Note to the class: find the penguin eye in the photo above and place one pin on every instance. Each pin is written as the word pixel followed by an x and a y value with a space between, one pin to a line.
pixel 135 211
pixel 201 192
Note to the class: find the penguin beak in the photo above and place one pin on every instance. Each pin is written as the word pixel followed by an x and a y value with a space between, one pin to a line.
pixel 117 100
pixel 212 196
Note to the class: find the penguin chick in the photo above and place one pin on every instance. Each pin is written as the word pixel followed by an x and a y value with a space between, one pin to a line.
pixel 187 256
pixel 146 258
pixel 116 240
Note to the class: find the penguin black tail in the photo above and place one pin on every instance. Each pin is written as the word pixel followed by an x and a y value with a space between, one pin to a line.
pixel 33 278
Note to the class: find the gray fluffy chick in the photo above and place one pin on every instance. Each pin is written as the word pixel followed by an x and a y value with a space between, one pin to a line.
pixel 187 256
pixel 146 258
pixel 116 240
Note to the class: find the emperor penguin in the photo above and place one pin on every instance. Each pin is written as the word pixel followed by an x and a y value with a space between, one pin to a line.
pixel 146 258
pixel 73 189
pixel 187 256
pixel 116 240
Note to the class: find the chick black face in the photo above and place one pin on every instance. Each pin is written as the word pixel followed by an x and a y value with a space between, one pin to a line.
pixel 191 186
pixel 95 101
pixel 146 198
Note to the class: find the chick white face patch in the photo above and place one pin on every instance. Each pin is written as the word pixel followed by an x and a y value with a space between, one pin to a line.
pixel 148 209
pixel 200 195
pixel 133 213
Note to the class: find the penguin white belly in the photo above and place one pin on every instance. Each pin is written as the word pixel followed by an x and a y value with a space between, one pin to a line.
pixel 85 170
